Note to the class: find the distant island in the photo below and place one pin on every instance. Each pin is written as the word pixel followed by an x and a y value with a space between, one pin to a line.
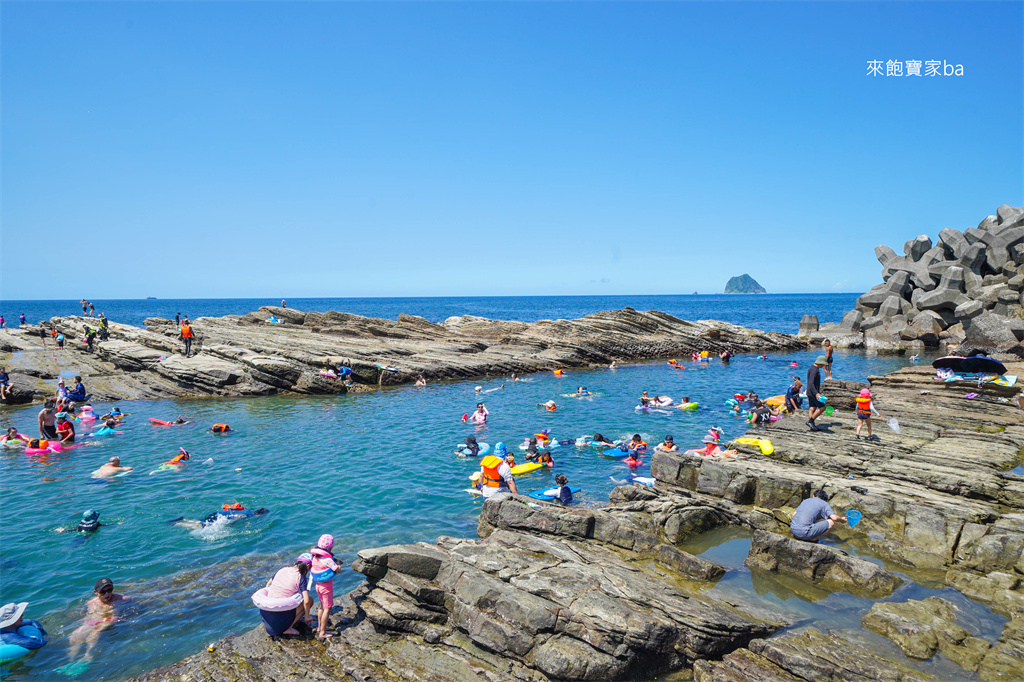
pixel 744 284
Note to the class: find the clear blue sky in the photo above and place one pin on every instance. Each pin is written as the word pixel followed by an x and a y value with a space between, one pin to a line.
pixel 255 149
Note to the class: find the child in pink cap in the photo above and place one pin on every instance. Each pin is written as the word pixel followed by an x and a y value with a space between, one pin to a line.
pixel 864 409
pixel 324 569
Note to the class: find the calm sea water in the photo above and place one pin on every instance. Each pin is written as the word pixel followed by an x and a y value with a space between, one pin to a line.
pixel 370 469
pixel 772 312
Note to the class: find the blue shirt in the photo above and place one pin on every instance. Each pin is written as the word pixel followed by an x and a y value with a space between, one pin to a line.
pixel 810 512
pixel 564 494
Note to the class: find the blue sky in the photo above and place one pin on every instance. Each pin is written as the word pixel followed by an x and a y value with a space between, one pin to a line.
pixel 250 149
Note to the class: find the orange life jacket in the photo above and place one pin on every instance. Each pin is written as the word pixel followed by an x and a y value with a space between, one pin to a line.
pixel 233 507
pixel 186 331
pixel 490 466
pixel 178 459
pixel 864 407
pixel 220 428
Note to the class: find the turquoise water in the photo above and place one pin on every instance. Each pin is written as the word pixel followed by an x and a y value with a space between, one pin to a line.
pixel 370 469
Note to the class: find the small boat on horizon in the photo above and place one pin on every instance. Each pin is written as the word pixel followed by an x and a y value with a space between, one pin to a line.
pixel 151 298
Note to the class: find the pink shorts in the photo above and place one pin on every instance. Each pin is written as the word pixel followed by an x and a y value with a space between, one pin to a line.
pixel 326 593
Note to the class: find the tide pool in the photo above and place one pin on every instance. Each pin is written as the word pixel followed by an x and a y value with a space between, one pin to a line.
pixel 370 469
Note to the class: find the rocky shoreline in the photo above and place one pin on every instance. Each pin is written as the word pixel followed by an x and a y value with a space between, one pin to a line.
pixel 249 356
pixel 549 593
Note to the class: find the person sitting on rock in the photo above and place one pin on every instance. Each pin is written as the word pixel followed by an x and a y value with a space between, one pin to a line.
pixel 814 518
pixel 5 384
pixel 77 392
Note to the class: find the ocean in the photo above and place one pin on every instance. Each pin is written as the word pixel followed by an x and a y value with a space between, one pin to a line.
pixel 771 312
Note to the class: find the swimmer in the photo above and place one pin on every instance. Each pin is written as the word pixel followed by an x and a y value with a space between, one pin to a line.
pixel 683 403
pixel 100 614
pixel 112 466
pixel 564 492
pixel 711 449
pixel 90 523
pixel 216 428
pixel 550 405
pixel 420 381
pixel 637 446
pixel 534 454
pixel 491 390
pixel 479 417
pixel 614 365
pixel 230 512
pixel 14 438
pixel 582 391
pixel 65 429
pixel 598 439
pixel 472 446
pixel 667 446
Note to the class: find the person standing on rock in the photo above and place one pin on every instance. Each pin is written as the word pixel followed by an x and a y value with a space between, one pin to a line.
pixel 815 406
pixel 177 319
pixel 85 306
pixel 187 336
pixel 813 518
pixel 829 350
pixel 92 309
pixel 284 303
pixel 42 334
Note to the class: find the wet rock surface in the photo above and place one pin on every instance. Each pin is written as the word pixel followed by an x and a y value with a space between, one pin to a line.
pixel 246 355
pixel 553 593
pixel 964 291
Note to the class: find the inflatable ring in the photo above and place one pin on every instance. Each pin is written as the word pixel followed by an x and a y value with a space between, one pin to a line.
pixel 324 576
pixel 12 652
pixel 263 601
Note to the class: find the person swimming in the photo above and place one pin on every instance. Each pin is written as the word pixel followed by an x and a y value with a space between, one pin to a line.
pixel 232 512
pixel 472 446
pixel 90 523
pixel 535 454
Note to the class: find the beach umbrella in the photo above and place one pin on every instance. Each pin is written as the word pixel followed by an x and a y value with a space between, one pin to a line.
pixel 853 517
pixel 893 424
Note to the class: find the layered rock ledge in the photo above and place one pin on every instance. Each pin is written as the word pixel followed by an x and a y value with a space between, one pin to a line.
pixel 549 593
pixel 247 355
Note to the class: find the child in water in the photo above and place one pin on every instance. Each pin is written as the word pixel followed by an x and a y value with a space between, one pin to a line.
pixel 564 493
pixel 325 566
pixel 637 446
pixel 534 454
pixel 472 446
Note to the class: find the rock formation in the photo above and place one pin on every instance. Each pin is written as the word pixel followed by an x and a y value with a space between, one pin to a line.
pixel 549 593
pixel 246 355
pixel 744 284
pixel 967 288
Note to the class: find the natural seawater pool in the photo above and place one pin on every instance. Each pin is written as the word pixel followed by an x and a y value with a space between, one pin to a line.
pixel 371 469
pixel 805 604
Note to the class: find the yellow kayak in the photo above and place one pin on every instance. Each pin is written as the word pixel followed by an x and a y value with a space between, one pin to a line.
pixel 526 468
pixel 766 445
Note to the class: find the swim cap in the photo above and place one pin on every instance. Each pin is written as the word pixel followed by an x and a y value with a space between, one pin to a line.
pixel 500 449
pixel 305 558
pixel 325 542
pixel 865 393
pixel 90 516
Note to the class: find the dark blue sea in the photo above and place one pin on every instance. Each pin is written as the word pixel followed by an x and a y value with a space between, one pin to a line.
pixel 771 312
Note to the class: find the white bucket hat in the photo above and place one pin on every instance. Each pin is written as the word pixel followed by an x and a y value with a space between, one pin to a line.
pixel 10 613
